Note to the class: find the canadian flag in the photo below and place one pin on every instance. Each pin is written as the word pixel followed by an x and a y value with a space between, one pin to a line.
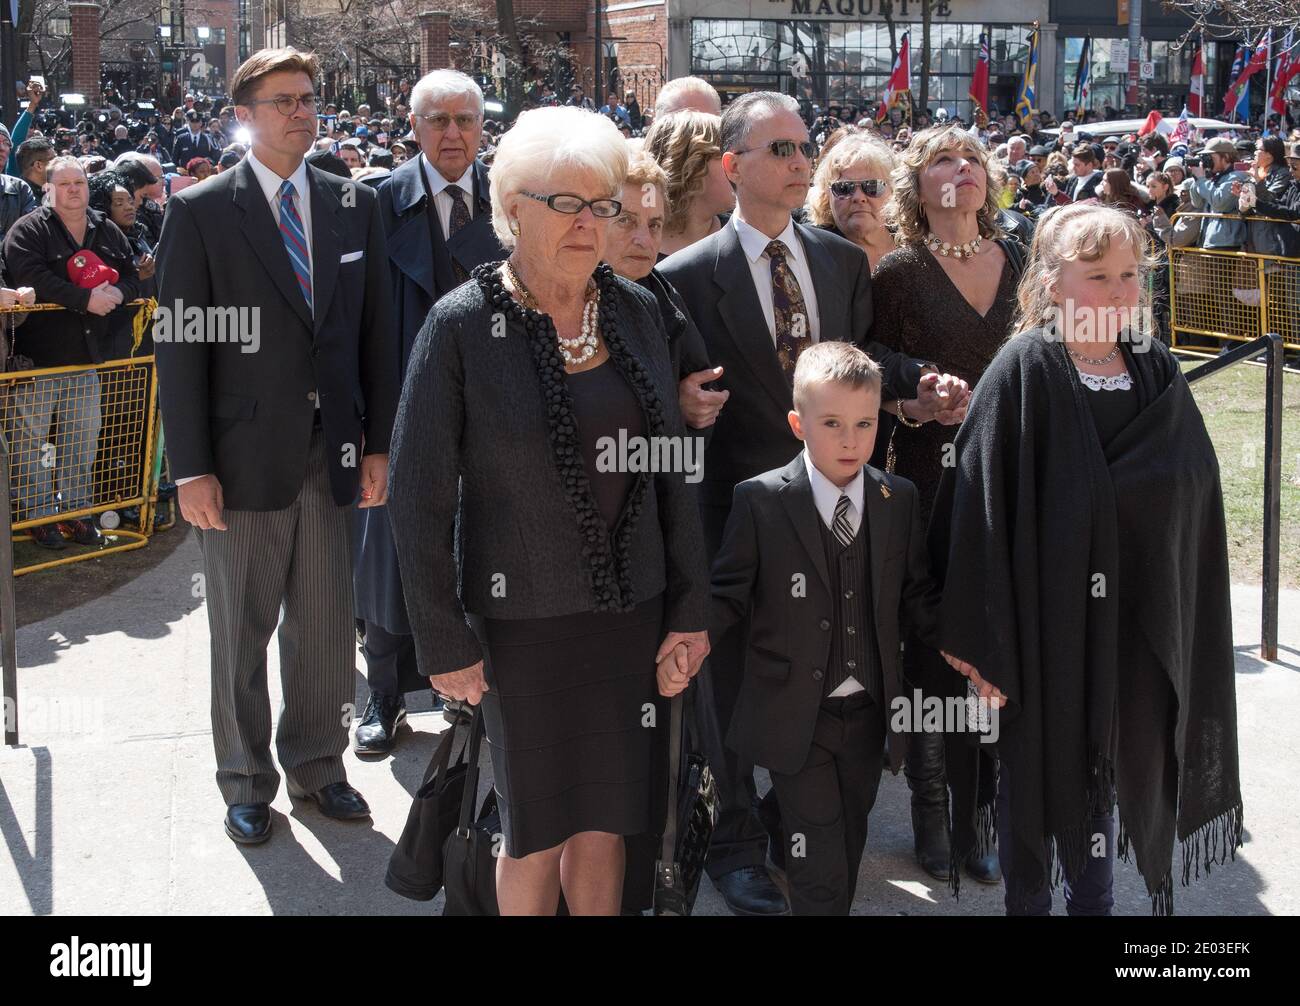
pixel 1196 91
pixel 1287 67
pixel 900 80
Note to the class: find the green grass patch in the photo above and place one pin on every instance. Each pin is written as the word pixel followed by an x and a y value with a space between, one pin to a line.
pixel 1232 402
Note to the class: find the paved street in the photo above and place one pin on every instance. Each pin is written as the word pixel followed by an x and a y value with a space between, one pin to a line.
pixel 110 807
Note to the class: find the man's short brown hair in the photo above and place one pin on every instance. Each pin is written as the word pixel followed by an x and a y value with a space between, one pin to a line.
pixel 834 363
pixel 266 61
pixel 1084 152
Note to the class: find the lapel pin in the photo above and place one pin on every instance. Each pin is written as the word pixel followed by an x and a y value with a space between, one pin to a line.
pixel 884 491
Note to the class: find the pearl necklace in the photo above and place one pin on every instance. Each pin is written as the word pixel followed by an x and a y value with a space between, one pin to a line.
pixel 574 351
pixel 1096 363
pixel 945 248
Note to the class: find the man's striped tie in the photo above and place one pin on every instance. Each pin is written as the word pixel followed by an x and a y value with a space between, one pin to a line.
pixel 295 240
pixel 840 525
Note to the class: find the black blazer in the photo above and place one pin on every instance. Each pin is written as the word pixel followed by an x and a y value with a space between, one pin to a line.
pixel 771 536
pixel 187 146
pixel 487 501
pixel 247 417
pixel 751 434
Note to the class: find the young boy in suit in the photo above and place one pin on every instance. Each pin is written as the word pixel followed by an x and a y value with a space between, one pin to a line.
pixel 827 558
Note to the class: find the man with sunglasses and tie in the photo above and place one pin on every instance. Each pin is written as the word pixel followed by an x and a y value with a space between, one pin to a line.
pixel 437 214
pixel 761 290
pixel 278 422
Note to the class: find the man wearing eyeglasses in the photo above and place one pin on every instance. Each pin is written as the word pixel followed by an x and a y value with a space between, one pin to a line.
pixel 438 217
pixel 278 400
pixel 760 290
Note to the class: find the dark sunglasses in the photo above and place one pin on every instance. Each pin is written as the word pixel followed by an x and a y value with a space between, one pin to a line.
pixel 869 187
pixel 785 148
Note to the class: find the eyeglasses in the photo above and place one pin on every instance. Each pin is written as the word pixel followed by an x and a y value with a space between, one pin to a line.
pixel 785 148
pixel 465 121
pixel 869 187
pixel 562 202
pixel 287 104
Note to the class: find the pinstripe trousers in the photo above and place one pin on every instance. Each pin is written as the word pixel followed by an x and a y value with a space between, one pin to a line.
pixel 298 559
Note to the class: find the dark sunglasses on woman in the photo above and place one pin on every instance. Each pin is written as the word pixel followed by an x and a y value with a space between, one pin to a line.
pixel 869 187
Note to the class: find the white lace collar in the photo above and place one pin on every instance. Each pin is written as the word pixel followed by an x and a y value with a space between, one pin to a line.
pixel 1098 382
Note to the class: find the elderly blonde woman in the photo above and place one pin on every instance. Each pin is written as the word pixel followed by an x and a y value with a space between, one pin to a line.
pixel 948 294
pixel 518 501
pixel 688 146
pixel 850 191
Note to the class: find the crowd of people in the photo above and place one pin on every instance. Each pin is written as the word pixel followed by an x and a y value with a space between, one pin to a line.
pixel 916 467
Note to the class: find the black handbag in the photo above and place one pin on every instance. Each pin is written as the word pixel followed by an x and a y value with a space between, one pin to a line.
pixel 469 852
pixel 692 813
pixel 415 869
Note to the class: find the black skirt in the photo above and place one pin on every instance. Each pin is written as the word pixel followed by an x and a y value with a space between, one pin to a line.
pixel 575 725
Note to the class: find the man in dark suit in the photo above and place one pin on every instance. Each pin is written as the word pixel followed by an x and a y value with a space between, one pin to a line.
pixel 760 289
pixel 438 217
pixel 194 141
pixel 826 556
pixel 273 430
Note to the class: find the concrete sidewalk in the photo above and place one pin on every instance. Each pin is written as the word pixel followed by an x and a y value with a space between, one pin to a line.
pixel 110 806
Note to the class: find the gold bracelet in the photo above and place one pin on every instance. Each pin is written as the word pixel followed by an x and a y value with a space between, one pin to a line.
pixel 915 424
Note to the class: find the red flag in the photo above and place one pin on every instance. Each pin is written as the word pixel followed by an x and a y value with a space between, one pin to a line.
pixel 979 84
pixel 1287 67
pixel 1153 121
pixel 1258 61
pixel 900 80
pixel 1196 92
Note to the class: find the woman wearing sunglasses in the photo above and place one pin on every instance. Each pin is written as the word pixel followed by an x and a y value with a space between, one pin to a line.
pixel 850 190
pixel 519 499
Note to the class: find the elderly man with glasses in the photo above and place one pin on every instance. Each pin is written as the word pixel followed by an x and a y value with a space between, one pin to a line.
pixel 437 214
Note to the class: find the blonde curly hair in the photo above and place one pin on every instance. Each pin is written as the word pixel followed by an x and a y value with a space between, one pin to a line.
pixel 1071 233
pixel 905 209
pixel 684 143
pixel 853 146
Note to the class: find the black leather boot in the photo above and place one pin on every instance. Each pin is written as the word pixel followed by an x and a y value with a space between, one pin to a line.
pixel 924 768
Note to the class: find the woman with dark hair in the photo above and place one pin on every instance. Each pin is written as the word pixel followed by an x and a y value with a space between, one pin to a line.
pixel 946 294
pixel 1117 189
pixel 1271 194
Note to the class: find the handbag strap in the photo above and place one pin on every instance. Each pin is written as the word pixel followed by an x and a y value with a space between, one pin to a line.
pixel 1015 254
pixel 469 801
pixel 441 757
pixel 668 848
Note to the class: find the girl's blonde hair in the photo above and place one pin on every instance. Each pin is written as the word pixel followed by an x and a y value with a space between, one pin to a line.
pixel 684 143
pixel 906 211
pixel 854 146
pixel 1078 232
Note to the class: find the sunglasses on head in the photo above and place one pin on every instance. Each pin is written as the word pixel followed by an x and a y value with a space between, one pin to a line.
pixel 869 187
pixel 785 148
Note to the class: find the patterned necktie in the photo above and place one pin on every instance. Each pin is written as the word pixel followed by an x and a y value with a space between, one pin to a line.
pixel 788 309
pixel 295 240
pixel 844 532
pixel 459 218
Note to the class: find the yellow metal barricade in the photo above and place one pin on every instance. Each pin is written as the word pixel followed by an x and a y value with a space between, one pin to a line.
pixel 1234 295
pixel 81 443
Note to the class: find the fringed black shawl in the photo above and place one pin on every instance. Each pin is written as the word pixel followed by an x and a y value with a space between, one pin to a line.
pixel 1092 588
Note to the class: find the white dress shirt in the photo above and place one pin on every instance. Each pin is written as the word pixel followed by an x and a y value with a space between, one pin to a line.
pixel 438 186
pixel 754 243
pixel 825 495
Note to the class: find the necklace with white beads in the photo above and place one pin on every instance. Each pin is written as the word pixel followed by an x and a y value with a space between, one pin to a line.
pixel 574 351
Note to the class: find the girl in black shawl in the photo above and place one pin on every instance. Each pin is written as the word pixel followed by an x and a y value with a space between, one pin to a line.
pixel 1085 511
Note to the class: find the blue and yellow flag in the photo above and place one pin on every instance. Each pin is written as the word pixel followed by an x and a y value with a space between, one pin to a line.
pixel 1028 94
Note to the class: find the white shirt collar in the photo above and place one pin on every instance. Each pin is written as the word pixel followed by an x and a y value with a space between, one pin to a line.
pixel 437 183
pixel 754 242
pixel 271 181
pixel 826 494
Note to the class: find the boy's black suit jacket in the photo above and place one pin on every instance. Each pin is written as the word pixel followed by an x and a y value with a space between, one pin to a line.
pixel 771 549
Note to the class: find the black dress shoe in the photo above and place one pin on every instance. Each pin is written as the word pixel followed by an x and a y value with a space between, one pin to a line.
pixel 933 851
pixel 985 869
pixel 84 532
pixel 248 823
pixel 750 891
pixel 377 731
pixel 337 800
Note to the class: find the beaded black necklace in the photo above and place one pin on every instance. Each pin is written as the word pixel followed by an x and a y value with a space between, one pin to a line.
pixel 608 555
